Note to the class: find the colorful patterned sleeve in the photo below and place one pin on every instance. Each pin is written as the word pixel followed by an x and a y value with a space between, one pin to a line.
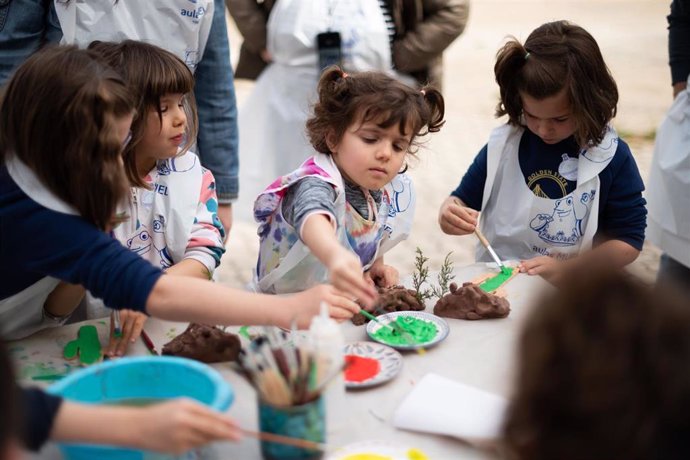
pixel 206 238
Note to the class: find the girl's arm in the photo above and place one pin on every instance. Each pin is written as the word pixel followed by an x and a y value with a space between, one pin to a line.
pixel 64 299
pixel 173 427
pixel 318 233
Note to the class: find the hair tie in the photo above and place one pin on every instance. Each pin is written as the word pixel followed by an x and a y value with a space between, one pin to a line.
pixel 526 55
pixel 423 91
pixel 345 75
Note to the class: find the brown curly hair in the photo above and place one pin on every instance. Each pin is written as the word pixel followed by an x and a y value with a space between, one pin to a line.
pixel 345 99
pixel 555 56
pixel 604 373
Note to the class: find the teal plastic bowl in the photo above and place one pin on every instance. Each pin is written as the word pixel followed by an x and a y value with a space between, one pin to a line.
pixel 145 377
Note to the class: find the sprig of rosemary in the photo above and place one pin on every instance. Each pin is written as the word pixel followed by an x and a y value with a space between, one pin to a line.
pixel 445 276
pixel 420 276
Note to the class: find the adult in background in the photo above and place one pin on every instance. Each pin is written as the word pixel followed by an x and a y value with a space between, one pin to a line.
pixel 668 192
pixel 405 39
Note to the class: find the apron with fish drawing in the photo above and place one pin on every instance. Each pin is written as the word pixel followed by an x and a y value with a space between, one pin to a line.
pixel 161 218
pixel 285 263
pixel 180 26
pixel 22 314
pixel 523 225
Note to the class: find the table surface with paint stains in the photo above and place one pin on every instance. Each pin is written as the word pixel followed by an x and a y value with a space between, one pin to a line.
pixel 476 353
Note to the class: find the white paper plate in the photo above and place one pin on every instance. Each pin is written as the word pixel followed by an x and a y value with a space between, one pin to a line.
pixel 383 449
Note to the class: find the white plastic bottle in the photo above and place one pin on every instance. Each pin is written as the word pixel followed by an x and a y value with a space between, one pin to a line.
pixel 328 341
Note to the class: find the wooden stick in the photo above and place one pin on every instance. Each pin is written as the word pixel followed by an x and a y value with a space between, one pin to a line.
pixel 279 439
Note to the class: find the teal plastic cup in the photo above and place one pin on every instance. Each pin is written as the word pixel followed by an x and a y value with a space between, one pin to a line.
pixel 306 422
pixel 145 378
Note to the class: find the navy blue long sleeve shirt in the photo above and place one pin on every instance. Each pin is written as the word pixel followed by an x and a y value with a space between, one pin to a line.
pixel 678 40
pixel 36 242
pixel 39 410
pixel 622 211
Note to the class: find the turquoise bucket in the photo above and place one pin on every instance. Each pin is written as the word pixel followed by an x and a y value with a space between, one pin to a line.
pixel 145 377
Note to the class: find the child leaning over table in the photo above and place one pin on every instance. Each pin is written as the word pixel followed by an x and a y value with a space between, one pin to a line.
pixel 343 208
pixel 556 179
pixel 171 210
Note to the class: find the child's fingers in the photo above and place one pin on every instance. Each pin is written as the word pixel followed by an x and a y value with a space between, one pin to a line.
pixel 138 327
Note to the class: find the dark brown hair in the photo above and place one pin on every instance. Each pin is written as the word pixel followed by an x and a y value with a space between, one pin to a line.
pixel 58 115
pixel 9 422
pixel 151 73
pixel 348 98
pixel 558 55
pixel 603 373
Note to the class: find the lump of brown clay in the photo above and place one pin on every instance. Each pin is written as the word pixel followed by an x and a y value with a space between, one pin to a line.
pixel 394 298
pixel 204 343
pixel 471 302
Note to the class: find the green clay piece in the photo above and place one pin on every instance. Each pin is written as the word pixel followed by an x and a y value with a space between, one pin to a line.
pixel 244 332
pixel 418 330
pixel 495 282
pixel 86 346
pixel 49 378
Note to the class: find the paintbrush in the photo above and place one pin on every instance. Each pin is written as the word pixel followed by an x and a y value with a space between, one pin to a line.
pixel 118 325
pixel 297 442
pixel 485 243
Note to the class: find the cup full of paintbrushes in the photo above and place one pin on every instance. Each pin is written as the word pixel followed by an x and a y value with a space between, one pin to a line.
pixel 289 393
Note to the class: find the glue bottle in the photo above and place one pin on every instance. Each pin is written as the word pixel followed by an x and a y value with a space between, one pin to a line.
pixel 328 342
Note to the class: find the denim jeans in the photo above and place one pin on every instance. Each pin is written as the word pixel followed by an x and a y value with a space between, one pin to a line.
pixel 25 25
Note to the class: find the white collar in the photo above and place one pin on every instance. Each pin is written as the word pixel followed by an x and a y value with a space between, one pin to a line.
pixel 30 184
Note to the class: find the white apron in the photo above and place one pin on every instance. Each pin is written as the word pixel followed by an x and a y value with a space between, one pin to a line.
pixel 520 225
pixel 179 26
pixel 668 191
pixel 272 120
pixel 165 217
pixel 22 314
pixel 299 269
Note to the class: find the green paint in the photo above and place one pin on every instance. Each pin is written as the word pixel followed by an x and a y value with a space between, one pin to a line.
pixel 86 346
pixel 497 281
pixel 34 370
pixel 418 331
pixel 16 349
pixel 117 334
pixel 244 332
pixel 172 333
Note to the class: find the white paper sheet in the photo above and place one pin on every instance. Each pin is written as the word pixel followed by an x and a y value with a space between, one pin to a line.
pixel 443 406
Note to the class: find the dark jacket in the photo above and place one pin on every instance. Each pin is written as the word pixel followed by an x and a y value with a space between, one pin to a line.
pixel 423 30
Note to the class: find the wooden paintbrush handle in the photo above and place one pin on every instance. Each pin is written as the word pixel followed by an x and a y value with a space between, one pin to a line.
pixel 279 439
pixel 482 238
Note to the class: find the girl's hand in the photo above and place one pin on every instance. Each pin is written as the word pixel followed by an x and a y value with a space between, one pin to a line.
pixel 181 425
pixel 346 275
pixel 131 323
pixel 455 218
pixel 308 304
pixel 384 275
pixel 549 268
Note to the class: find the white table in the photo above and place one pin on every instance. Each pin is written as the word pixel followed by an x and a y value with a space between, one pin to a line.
pixel 477 353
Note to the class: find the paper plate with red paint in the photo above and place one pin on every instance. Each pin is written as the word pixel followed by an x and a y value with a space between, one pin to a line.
pixel 370 364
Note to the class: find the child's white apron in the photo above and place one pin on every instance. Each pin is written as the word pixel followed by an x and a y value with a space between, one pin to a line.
pixel 22 314
pixel 162 218
pixel 668 193
pixel 180 26
pixel 285 263
pixel 520 225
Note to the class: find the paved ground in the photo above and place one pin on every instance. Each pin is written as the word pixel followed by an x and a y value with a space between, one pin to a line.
pixel 633 38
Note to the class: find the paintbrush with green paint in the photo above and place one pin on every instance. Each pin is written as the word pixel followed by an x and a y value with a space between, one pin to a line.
pixel 485 243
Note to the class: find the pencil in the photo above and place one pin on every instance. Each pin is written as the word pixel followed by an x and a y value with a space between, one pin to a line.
pixel 148 342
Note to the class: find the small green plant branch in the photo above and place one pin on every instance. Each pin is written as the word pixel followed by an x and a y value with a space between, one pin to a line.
pixel 420 276
pixel 445 276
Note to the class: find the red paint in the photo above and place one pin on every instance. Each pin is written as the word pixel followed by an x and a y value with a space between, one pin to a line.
pixel 360 368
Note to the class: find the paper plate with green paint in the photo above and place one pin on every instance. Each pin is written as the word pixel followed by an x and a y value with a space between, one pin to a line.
pixel 421 330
